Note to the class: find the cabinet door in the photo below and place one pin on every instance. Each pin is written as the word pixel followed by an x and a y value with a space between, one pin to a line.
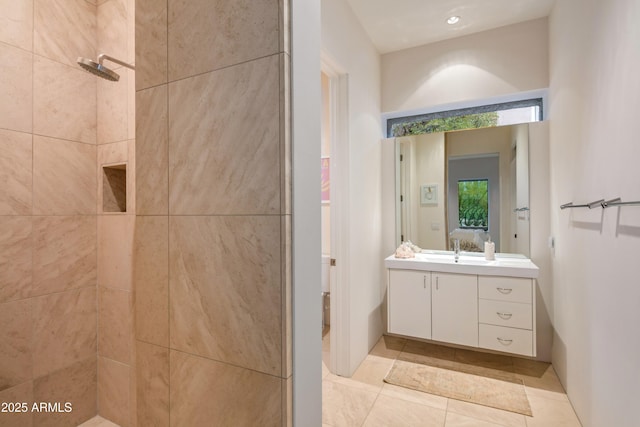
pixel 455 308
pixel 409 303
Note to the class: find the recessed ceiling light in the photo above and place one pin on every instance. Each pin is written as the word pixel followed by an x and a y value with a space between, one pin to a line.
pixel 453 20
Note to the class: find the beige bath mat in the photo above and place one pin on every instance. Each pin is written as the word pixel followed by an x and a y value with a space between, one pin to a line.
pixel 484 381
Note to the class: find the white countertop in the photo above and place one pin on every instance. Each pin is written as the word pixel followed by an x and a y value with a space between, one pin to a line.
pixel 442 261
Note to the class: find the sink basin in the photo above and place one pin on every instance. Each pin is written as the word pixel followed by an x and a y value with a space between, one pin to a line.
pixel 448 257
pixel 468 263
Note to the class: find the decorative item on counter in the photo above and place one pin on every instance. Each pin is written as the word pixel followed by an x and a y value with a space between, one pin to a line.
pixel 404 251
pixel 416 249
pixel 489 250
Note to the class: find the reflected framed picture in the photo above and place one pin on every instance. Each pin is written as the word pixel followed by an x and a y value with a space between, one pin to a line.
pixel 429 194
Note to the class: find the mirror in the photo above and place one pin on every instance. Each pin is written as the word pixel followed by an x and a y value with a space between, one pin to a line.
pixel 468 185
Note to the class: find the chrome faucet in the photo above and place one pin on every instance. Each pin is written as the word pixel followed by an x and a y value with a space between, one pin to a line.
pixel 456 249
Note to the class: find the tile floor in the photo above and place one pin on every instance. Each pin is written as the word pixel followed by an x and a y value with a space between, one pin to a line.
pixel 98 421
pixel 365 400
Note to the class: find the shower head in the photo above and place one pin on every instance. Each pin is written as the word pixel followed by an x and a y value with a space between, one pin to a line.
pixel 100 70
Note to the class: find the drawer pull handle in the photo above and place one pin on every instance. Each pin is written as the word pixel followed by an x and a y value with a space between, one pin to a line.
pixel 504 291
pixel 504 316
pixel 504 342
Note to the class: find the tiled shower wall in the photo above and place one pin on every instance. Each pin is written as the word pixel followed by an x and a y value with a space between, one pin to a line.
pixel 116 146
pixel 57 123
pixel 212 236
pixel 48 222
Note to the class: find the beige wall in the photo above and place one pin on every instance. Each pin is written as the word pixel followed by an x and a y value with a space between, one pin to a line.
pixel 347 45
pixel 594 152
pixel 212 241
pixel 48 268
pixel 425 157
pixel 497 62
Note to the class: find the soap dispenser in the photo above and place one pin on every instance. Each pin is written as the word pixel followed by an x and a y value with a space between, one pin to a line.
pixel 489 250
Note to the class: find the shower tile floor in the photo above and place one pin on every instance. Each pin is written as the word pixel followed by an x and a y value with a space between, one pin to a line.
pixel 98 421
pixel 364 400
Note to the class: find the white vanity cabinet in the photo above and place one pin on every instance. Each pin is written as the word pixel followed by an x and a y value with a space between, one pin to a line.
pixel 490 306
pixel 409 303
pixel 507 314
pixel 454 308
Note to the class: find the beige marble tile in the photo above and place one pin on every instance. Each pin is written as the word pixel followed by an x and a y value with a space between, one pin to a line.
pixel 345 406
pixel 64 30
pixel 414 396
pixel 64 331
pixel 64 177
pixel 206 392
pixel 133 385
pixel 487 414
pixel 75 384
pixel 112 153
pixel 131 32
pixel 225 289
pixel 152 155
pixel 16 23
pixel 114 324
pixel 98 421
pixel 388 346
pixel 131 177
pixel 111 21
pixel 64 253
pixel 16 258
pixel 16 170
pixel 285 133
pixel 19 393
pixel 325 367
pixel 285 26
pixel 64 101
pixel 15 343
pixel 131 104
pixel 351 383
pixel 457 420
pixel 152 377
pixel 115 251
pixel 151 43
pixel 151 279
pixel 16 89
pixel 551 412
pixel 205 36
pixel 224 153
pixel 113 391
pixel 112 105
pixel 389 411
pixel 546 385
pixel 372 370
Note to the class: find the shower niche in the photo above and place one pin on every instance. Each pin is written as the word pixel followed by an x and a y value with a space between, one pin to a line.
pixel 114 188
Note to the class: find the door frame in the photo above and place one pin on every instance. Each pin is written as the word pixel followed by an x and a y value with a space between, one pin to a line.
pixel 339 215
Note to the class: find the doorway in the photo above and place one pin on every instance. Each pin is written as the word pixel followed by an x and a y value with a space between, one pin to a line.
pixel 334 155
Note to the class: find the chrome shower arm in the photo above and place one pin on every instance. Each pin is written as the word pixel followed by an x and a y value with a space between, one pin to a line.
pixel 103 56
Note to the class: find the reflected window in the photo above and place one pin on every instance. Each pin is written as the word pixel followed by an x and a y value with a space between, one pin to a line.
pixel 473 203
pixel 506 113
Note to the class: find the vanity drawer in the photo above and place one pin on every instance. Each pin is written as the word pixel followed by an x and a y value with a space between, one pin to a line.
pixel 505 289
pixel 510 340
pixel 505 313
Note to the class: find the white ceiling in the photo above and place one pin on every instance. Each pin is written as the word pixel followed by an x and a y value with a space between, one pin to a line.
pixel 400 24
